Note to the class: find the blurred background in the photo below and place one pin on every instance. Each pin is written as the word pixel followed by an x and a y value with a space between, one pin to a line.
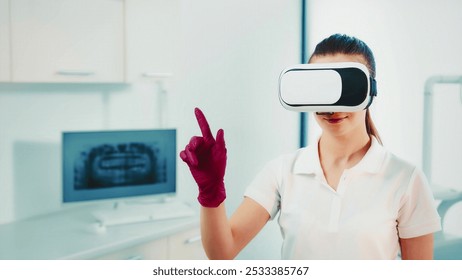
pixel 225 58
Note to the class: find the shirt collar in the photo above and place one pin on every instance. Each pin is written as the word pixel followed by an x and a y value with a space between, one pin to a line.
pixel 307 161
pixel 374 158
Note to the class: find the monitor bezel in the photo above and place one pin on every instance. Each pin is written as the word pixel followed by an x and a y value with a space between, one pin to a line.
pixel 73 139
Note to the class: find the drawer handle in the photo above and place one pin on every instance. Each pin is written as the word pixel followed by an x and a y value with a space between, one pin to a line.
pixel 75 73
pixel 135 257
pixel 193 240
pixel 157 75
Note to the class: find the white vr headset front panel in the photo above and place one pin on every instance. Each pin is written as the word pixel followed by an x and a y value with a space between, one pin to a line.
pixel 326 87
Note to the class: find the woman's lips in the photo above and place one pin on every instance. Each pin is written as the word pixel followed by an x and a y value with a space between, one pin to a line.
pixel 334 120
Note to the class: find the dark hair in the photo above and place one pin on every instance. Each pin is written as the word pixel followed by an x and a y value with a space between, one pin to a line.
pixel 344 44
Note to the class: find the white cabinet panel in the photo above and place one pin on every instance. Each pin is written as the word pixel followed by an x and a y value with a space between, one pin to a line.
pixel 67 40
pixel 186 246
pixel 154 250
pixel 4 41
pixel 153 36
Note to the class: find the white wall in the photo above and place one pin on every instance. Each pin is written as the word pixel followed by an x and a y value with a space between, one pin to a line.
pixel 233 52
pixel 225 57
pixel 411 40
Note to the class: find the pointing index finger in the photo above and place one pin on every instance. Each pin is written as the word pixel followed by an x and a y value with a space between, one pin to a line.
pixel 203 125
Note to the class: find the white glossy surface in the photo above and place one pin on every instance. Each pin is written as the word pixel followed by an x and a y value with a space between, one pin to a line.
pixel 71 234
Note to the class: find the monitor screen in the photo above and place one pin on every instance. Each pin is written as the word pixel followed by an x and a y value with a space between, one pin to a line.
pixel 115 164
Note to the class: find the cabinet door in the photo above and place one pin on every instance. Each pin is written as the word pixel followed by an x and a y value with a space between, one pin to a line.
pixel 153 29
pixel 186 246
pixel 154 250
pixel 4 41
pixel 67 40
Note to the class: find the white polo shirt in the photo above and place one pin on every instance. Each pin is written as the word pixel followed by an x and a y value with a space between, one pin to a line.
pixel 378 201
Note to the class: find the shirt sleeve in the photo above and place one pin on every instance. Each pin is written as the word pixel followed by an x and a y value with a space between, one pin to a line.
pixel 418 215
pixel 264 189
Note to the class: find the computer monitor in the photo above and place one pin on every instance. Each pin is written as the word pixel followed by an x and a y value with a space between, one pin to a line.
pixel 117 164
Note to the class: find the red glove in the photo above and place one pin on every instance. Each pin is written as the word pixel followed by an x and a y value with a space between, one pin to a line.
pixel 206 158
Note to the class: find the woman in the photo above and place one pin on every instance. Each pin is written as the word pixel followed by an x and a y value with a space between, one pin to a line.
pixel 344 198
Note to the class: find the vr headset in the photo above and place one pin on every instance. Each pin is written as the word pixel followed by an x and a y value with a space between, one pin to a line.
pixel 327 87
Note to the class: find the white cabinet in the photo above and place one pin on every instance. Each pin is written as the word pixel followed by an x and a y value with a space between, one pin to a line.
pixel 153 250
pixel 70 234
pixel 184 245
pixel 4 41
pixel 153 36
pixel 67 40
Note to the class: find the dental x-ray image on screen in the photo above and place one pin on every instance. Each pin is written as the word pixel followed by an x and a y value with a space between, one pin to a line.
pixel 112 164
pixel 120 164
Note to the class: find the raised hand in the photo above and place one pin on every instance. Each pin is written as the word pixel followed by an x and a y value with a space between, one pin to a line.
pixel 206 158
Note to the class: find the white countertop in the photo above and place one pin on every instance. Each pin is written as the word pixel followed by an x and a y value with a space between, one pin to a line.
pixel 71 234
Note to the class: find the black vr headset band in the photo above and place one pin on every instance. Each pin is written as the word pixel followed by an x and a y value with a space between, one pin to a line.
pixel 373 91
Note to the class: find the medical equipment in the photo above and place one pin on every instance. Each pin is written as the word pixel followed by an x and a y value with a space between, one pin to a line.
pixel 446 246
pixel 118 164
pixel 326 87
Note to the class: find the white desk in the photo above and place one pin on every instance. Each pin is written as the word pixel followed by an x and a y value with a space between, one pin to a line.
pixel 69 235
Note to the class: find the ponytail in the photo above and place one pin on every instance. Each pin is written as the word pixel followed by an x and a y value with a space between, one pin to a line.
pixel 370 127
